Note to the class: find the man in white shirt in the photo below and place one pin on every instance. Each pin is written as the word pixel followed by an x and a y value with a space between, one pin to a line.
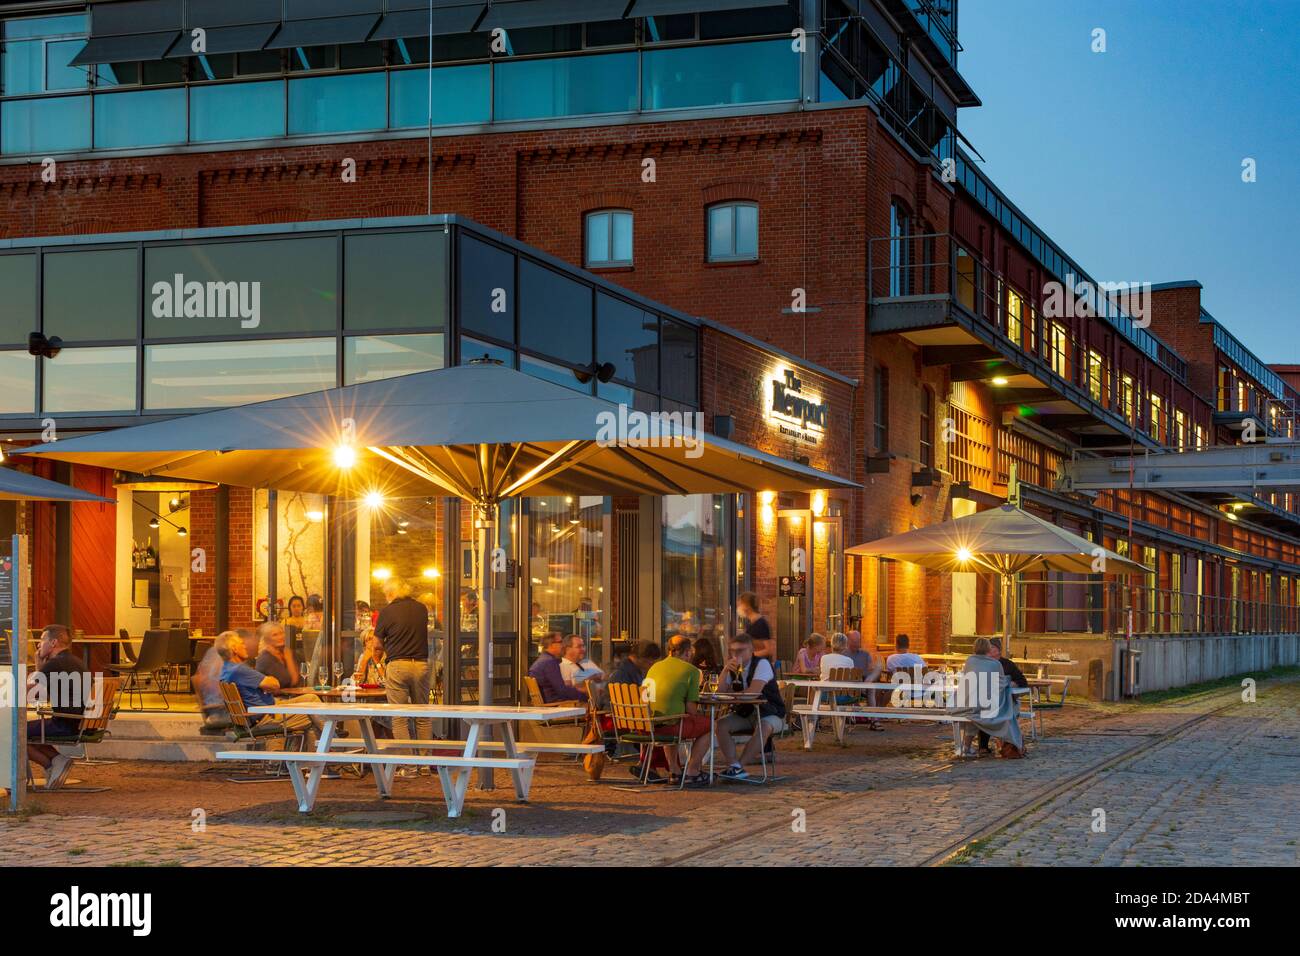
pixel 903 659
pixel 838 656
pixel 575 668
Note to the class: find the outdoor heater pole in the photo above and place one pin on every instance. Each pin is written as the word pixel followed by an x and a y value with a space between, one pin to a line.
pixel 485 515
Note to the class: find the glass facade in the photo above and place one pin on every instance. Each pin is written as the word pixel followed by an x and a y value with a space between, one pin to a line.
pixel 684 61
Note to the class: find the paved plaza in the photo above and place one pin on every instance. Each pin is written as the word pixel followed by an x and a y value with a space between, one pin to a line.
pixel 1205 778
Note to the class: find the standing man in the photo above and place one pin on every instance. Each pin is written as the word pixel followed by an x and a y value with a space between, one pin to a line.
pixel 402 630
pixel 755 625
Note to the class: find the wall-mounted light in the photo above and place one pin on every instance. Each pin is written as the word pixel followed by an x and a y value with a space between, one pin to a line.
pixel 917 498
pixel 431 573
pixel 381 574
pixel 345 456
pixel 999 381
pixel 316 516
pixel 818 503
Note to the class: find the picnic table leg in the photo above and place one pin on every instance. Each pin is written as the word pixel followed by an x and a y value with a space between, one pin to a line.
pixel 297 777
pixel 523 777
pixel 455 783
pixel 318 769
pixel 810 723
pixel 383 773
pixel 713 737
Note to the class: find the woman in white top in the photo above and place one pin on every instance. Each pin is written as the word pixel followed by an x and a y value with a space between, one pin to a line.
pixel 838 655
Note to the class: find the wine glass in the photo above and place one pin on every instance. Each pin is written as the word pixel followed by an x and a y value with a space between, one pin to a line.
pixel 304 669
pixel 338 671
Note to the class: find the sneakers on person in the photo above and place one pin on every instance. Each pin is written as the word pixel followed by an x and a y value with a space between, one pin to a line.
pixel 57 772
pixel 734 772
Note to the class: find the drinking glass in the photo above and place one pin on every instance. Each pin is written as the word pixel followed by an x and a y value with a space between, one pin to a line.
pixel 338 671
pixel 304 669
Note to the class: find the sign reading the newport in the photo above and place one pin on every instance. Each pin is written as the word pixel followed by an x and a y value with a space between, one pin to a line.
pixel 797 415
pixel 179 299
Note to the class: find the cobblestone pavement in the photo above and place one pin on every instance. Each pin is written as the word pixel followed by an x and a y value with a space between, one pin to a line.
pixel 1220 790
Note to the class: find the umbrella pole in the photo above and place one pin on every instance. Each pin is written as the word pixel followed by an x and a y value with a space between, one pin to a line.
pixel 485 518
pixel 1006 613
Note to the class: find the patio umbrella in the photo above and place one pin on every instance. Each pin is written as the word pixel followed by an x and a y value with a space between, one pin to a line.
pixel 20 486
pixel 1004 540
pixel 481 432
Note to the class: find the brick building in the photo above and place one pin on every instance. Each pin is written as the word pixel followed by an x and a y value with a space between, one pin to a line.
pixel 778 181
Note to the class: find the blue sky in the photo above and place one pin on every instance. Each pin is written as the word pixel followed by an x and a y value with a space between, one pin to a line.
pixel 1131 159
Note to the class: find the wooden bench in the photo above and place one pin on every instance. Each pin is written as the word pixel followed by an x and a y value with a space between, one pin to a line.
pixel 523 747
pixel 453 772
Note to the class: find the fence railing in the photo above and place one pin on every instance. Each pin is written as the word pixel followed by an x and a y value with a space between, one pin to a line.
pixel 1057 606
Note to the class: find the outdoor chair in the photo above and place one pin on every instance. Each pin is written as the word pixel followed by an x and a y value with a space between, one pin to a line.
pixel 570 730
pixel 150 662
pixel 93 728
pixel 179 660
pixel 635 724
pixel 255 733
pixel 1045 702
pixel 124 642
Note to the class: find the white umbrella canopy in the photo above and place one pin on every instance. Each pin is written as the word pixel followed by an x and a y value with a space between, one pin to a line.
pixel 480 432
pixel 1004 540
pixel 20 486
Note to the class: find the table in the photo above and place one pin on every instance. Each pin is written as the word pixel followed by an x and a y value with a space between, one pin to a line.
pixel 339 693
pixel 454 774
pixel 714 700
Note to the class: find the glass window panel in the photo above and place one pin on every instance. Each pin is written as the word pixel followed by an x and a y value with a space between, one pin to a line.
pixel 90 380
pixel 611 33
pixel 527 41
pixel 17 297
pixel 487 289
pixel 335 104
pixel 695 579
pixel 45 126
pixel 257 63
pixel 395 280
pixel 283 285
pixel 232 111
pixel 676 26
pixel 721 232
pixel 566 571
pixel 471 349
pixel 680 361
pixel 44 26
pixel 212 66
pixel 628 337
pixel 554 314
pixel 747 231
pixel 553 373
pixel 456 46
pixel 461 94
pixel 313 58
pixel 91 296
pixel 361 56
pixel 720 75
pixel 59 75
pixel 567 86
pixel 140 118
pixel 117 74
pixel 24 67
pixel 17 383
pixel 634 399
pixel 748 23
pixel 598 237
pixel 622 226
pixel 219 374
pixel 367 358
pixel 161 72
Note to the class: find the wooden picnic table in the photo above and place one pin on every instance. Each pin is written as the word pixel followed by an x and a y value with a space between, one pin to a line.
pixel 453 772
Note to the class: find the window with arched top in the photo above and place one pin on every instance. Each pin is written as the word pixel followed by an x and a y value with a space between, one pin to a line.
pixel 733 232
pixel 609 238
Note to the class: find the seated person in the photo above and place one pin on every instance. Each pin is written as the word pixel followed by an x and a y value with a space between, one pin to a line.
pixel 705 655
pixel 1004 722
pixel 745 672
pixel 550 678
pixel 257 689
pixel 575 667
pixel 275 657
pixel 903 659
pixel 207 677
pixel 838 656
pixel 61 674
pixel 636 664
pixel 1014 674
pixel 674 684
pixel 371 669
pixel 808 660
pixel 862 658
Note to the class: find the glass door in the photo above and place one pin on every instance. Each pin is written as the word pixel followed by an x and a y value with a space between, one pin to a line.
pixel 794 585
pixel 828 573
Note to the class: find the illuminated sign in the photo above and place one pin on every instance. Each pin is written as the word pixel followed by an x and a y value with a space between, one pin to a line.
pixel 797 414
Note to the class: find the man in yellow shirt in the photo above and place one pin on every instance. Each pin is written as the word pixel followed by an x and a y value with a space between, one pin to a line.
pixel 673 687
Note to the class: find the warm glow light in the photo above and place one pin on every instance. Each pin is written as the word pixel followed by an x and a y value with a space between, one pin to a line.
pixel 181 532
pixel 766 497
pixel 999 381
pixel 431 573
pixel 381 574
pixel 345 456
pixel 315 516
pixel 819 503
pixel 963 555
pixel 373 499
